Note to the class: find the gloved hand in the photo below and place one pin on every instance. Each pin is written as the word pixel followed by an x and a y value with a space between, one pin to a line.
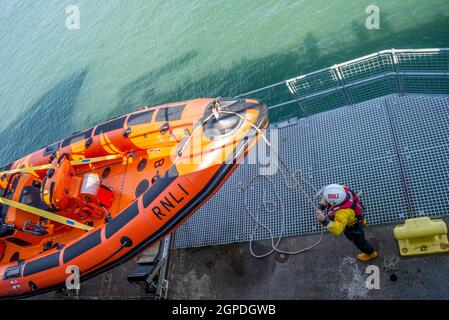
pixel 319 215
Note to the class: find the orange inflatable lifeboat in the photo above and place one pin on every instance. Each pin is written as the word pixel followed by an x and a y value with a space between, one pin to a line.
pixel 101 196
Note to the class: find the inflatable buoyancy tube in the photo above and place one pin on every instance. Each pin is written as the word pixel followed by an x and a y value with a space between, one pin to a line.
pixel 169 160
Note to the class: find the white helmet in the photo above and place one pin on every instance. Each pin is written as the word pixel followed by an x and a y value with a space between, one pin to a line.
pixel 334 194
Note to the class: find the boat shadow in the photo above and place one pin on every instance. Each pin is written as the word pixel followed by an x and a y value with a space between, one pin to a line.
pixel 309 54
pixel 33 128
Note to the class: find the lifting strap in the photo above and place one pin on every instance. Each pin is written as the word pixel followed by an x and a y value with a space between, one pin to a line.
pixel 45 214
pixel 73 163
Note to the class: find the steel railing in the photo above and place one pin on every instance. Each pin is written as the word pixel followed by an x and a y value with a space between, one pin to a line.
pixel 353 81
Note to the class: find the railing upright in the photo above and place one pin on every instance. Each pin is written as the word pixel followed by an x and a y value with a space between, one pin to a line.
pixel 396 69
pixel 345 84
pixel 342 83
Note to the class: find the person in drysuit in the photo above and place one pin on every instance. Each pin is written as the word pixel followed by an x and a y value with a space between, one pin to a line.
pixel 340 211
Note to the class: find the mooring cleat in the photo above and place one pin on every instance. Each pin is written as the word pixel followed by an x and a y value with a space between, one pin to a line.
pixel 366 257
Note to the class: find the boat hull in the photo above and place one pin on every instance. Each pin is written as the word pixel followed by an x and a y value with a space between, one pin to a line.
pixel 167 202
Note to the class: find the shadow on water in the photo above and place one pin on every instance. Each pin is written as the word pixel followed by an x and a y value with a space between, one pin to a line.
pixel 360 31
pixel 141 90
pixel 35 127
pixel 248 75
pixel 30 131
pixel 312 50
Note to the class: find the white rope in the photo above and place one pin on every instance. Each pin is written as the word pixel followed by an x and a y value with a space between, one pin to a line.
pixel 266 203
pixel 195 129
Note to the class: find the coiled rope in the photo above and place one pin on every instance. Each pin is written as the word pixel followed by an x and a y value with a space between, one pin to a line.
pixel 266 204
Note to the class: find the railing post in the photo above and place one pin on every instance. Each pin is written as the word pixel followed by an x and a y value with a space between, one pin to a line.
pixel 297 98
pixel 394 58
pixel 342 83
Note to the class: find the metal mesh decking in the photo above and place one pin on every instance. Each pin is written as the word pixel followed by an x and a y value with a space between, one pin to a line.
pixel 365 144
pixel 352 127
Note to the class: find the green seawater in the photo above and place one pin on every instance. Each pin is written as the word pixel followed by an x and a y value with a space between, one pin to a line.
pixel 127 54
